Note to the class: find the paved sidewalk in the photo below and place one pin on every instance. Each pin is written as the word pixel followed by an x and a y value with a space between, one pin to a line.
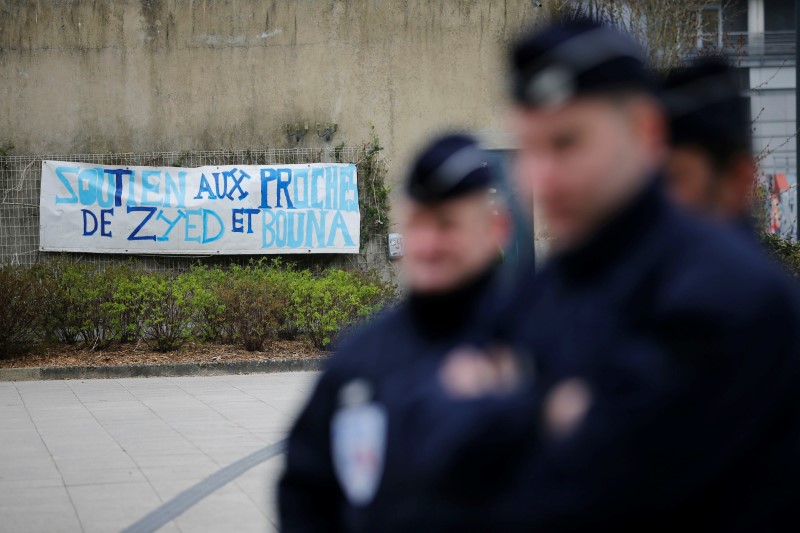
pixel 97 455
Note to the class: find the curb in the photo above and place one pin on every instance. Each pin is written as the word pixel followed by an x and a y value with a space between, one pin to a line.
pixel 38 373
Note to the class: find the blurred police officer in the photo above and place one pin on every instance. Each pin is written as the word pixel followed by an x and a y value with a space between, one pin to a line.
pixel 345 469
pixel 710 167
pixel 666 349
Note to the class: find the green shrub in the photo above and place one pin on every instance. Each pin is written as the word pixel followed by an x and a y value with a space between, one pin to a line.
pixel 82 307
pixel 66 315
pixel 208 310
pixel 169 318
pixel 268 300
pixel 124 311
pixel 324 306
pixel 25 293
pixel 785 250
pixel 255 303
pixel 297 282
pixel 265 300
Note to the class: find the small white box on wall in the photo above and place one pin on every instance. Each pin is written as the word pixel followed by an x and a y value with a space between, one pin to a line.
pixel 395 245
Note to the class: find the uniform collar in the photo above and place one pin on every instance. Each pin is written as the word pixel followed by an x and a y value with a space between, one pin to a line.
pixel 616 237
pixel 445 314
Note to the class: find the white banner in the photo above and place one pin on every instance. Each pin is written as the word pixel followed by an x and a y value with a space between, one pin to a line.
pixel 232 209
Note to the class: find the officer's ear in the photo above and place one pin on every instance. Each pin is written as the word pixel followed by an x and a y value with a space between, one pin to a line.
pixel 649 124
pixel 500 220
pixel 654 126
pixel 740 177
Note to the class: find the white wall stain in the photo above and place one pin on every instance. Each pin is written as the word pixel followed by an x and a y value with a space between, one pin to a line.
pixel 271 33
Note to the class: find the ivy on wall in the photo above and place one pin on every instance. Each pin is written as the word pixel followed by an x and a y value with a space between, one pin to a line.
pixel 786 250
pixel 373 193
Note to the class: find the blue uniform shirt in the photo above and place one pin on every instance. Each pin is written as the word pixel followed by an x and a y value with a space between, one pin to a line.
pixel 385 359
pixel 687 339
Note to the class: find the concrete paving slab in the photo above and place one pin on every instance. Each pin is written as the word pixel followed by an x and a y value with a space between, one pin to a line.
pixel 21 510
pixel 106 507
pixel 86 472
pixel 230 506
pixel 97 455
pixel 29 472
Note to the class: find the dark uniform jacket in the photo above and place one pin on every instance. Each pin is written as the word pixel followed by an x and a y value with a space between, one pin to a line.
pixel 408 341
pixel 686 338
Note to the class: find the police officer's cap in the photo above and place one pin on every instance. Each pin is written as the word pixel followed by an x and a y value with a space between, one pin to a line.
pixel 450 167
pixel 706 108
pixel 572 58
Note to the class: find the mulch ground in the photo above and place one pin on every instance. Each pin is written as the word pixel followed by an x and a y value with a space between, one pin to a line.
pixel 65 356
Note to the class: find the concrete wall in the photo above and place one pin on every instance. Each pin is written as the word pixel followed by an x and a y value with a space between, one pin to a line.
pixel 98 76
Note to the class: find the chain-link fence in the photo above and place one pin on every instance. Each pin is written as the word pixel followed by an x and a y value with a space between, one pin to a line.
pixel 20 179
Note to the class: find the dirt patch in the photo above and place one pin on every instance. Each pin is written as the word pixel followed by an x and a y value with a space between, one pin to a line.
pixel 68 356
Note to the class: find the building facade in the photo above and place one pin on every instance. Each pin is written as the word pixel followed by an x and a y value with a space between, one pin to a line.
pixel 766 51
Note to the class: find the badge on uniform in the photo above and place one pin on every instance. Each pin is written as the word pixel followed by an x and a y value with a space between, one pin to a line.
pixel 358 442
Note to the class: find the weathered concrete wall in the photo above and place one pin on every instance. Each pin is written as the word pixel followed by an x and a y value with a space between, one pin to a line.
pixel 97 76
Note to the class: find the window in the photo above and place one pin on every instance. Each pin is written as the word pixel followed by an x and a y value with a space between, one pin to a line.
pixel 778 15
pixel 735 16
pixel 710 27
